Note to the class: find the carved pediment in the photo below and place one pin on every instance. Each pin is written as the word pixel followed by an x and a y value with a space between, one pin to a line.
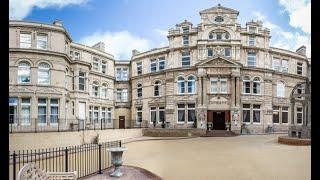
pixel 19 89
pixel 218 61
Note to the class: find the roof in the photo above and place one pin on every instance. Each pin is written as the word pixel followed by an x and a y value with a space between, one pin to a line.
pixel 219 8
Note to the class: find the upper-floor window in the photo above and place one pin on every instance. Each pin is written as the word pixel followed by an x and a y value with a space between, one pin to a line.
pixel 186 58
pixel 76 55
pixel 191 84
pixel 139 90
pixel 252 29
pixel 284 64
pixel 25 40
pixel 157 86
pixel 44 73
pixel 162 63
pixel 256 85
pixel 139 68
pixel 95 89
pixel 185 40
pixel 218 19
pixel 42 41
pixel 122 95
pixel 252 41
pixel 122 74
pixel 24 72
pixel 210 52
pixel 299 68
pixel 185 29
pixel 246 85
pixel 280 89
pixel 299 115
pixel 219 85
pixel 251 59
pixel 219 35
pixel 82 81
pixel 104 67
pixel 104 90
pixel 153 65
pixel 227 52
pixel 95 64
pixel 276 63
pixel 181 85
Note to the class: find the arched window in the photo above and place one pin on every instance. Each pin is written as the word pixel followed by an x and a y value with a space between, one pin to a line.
pixel 246 85
pixel 157 85
pixel 191 84
pixel 181 85
pixel 256 85
pixel 139 90
pixel 24 72
pixel 280 89
pixel 104 90
pixel 95 89
pixel 43 73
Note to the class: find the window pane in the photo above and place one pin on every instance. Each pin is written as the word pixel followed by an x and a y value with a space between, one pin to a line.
pixel 42 41
pixel 246 115
pixel 284 117
pixel 256 116
pixel 191 115
pixel 223 88
pixel 161 115
pixel 181 114
pixel 25 40
pixel 210 52
pixel 227 52
pixel 214 86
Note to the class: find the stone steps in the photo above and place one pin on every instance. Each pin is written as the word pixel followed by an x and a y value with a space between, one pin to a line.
pixel 219 133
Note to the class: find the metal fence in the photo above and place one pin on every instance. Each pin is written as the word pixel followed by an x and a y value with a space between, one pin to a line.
pixel 86 159
pixel 63 125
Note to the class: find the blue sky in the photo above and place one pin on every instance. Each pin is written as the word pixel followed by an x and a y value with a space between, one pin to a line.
pixel 142 24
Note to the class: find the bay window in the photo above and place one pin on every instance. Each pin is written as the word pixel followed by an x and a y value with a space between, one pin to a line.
pixel 252 41
pixel 299 68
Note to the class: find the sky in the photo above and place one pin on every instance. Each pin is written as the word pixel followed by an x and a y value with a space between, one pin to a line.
pixel 124 25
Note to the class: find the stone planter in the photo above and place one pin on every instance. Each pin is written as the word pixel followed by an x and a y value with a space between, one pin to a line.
pixel 116 160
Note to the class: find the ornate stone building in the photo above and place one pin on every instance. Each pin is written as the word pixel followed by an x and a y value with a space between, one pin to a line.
pixel 212 74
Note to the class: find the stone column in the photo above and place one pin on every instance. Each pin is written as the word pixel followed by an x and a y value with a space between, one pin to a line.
pixel 238 92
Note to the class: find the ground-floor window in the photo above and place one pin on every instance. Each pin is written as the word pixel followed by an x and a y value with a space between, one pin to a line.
pixel 109 115
pixel 13 104
pixel 42 110
pixel 139 115
pixel 25 111
pixel 251 113
pixel 157 114
pixel 181 112
pixel 299 115
pixel 280 114
pixel 191 112
pixel 54 110
pixel 186 112
pixel 96 114
pixel 103 115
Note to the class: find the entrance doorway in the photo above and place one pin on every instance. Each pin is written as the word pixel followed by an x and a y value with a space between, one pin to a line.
pixel 121 122
pixel 218 121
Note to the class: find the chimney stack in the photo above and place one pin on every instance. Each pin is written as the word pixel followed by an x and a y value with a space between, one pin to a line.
pixel 100 46
pixel 57 22
pixel 302 50
pixel 135 52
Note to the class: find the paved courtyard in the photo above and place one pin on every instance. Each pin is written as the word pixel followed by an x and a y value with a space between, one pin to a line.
pixel 241 157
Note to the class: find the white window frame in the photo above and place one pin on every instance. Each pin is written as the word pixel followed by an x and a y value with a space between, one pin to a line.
pixel 298 65
pixel 180 83
pixel 256 109
pixel 139 68
pixel 186 57
pixel 226 83
pixel 251 41
pixel 185 40
pixel 95 64
pixel 276 109
pixel 95 89
pixel 246 79
pixel 157 85
pixel 214 80
pixel 298 112
pixel 284 111
pixel 24 66
pixel 193 84
pixel 162 63
pixel 254 60
pixel 28 105
pixel 139 110
pixel 139 90
pixel 249 114
pixel 25 40
pixel 15 105
pixel 184 111
pixel 285 66
pixel 44 68
pixel 276 63
pixel 76 55
pixel 153 109
pixel 191 109
pixel 281 89
pixel 153 65
pixel 104 67
pixel 256 80
pixel 104 91
pixel 95 110
pixel 225 54
pixel 109 115
pixel 255 29
pixel 124 74
pixel 46 115
pixel 42 38
pixel 57 115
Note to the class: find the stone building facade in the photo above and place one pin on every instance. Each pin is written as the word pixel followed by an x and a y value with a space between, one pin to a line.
pixel 214 74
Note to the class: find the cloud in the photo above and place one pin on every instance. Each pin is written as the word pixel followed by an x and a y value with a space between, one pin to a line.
pixel 19 9
pixel 299 12
pixel 284 39
pixel 120 44
pixel 161 32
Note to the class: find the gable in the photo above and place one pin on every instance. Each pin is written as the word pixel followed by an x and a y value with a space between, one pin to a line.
pixel 219 9
pixel 218 61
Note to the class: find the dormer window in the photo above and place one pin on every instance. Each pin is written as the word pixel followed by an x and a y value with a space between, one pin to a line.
pixel 185 29
pixel 252 29
pixel 218 19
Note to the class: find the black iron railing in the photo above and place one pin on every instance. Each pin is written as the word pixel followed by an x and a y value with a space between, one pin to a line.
pixel 86 159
